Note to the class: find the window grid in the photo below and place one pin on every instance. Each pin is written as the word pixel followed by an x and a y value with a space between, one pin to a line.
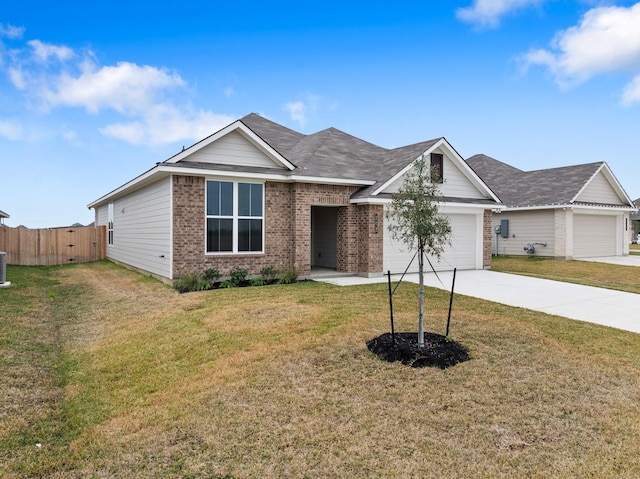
pixel 234 233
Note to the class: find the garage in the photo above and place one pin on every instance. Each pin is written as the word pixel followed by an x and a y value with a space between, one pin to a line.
pixel 594 235
pixel 462 254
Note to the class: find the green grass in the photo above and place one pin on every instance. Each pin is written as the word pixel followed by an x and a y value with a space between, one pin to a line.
pixel 118 376
pixel 601 275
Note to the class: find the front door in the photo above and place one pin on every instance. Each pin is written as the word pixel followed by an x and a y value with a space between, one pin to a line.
pixel 324 229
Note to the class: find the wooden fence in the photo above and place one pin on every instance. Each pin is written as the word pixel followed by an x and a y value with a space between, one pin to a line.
pixel 46 247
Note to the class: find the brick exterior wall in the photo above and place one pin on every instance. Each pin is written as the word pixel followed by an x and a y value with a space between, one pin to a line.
pixel 287 229
pixel 487 237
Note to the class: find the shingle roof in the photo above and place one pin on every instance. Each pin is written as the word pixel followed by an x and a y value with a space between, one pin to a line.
pixel 553 186
pixel 333 153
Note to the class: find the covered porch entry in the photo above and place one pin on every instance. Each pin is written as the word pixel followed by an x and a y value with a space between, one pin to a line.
pixel 324 239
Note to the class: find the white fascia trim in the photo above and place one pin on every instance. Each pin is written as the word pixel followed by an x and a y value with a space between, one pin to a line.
pixel 384 201
pixel 246 132
pixel 572 206
pixel 329 181
pixel 163 169
pixel 464 168
pixel 597 209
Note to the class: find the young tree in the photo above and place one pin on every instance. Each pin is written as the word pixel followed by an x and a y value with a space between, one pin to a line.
pixel 415 220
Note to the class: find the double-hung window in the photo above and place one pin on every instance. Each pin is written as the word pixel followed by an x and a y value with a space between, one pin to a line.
pixel 110 224
pixel 235 217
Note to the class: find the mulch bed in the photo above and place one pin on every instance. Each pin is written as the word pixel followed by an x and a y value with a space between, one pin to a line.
pixel 438 351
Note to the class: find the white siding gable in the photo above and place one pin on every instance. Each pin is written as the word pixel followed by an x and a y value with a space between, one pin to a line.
pixel 599 190
pixel 233 149
pixel 455 184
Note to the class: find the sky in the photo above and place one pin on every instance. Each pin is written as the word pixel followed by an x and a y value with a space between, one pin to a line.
pixel 93 94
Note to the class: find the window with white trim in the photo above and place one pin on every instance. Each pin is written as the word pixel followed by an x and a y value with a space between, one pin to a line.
pixel 234 217
pixel 110 224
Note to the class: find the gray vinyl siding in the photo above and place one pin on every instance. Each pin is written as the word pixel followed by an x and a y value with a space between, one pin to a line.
pixel 599 191
pixel 102 215
pixel 537 226
pixel 233 149
pixel 142 229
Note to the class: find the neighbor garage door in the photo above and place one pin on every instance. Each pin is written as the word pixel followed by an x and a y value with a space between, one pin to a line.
pixel 461 254
pixel 594 235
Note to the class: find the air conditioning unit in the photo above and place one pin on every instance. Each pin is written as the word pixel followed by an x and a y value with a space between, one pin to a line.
pixel 3 270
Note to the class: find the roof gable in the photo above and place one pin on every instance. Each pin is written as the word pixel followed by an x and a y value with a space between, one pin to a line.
pixel 605 188
pixel 225 145
pixel 234 148
pixel 460 180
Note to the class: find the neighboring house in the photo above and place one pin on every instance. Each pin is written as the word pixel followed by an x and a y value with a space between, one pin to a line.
pixel 3 215
pixel 258 194
pixel 569 212
pixel 635 223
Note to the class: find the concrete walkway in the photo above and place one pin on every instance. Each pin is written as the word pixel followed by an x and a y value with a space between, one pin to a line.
pixel 585 303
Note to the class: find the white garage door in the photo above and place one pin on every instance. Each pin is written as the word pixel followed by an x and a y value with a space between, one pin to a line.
pixel 594 235
pixel 461 254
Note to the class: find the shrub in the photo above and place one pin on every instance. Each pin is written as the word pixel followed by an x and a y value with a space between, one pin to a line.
pixel 211 275
pixel 289 276
pixel 269 274
pixel 228 284
pixel 190 282
pixel 238 276
pixel 258 282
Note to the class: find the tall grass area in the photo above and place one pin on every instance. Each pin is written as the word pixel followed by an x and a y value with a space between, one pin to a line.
pixel 106 373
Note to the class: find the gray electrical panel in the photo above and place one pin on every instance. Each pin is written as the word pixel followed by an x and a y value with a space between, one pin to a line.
pixel 504 228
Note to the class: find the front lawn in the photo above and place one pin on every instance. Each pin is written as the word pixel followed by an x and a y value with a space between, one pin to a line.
pixel 601 275
pixel 106 373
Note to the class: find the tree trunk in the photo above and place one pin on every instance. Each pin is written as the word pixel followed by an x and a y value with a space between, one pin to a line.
pixel 420 296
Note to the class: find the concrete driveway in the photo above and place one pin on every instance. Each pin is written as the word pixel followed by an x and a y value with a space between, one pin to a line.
pixel 631 260
pixel 585 303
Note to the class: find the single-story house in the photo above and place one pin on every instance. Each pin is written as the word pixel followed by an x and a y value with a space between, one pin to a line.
pixel 257 194
pixel 3 215
pixel 569 212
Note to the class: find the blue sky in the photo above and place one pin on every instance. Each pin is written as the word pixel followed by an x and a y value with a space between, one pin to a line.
pixel 93 94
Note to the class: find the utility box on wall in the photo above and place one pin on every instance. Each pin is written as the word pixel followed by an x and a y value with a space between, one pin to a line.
pixel 504 228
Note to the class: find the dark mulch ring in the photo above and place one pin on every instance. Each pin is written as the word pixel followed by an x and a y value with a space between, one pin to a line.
pixel 438 351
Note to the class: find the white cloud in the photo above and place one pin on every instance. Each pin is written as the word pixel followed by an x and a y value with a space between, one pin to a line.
pixel 10 31
pixel 44 51
pixel 125 87
pixel 631 93
pixel 298 110
pixel 488 13
pixel 606 40
pixel 167 124
pixel 55 76
pixel 11 130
